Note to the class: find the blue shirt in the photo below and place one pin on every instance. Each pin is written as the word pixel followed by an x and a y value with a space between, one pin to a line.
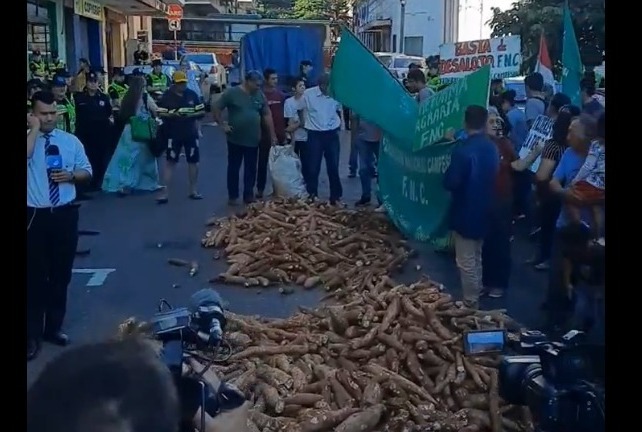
pixel 518 128
pixel 181 128
pixel 566 170
pixel 73 158
pixel 471 179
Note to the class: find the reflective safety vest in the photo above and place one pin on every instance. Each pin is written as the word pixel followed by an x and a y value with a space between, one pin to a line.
pixel 39 69
pixel 159 82
pixel 66 115
pixel 53 67
pixel 434 83
pixel 119 88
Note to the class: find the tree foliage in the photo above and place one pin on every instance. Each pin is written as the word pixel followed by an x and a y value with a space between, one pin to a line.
pixel 530 18
pixel 275 8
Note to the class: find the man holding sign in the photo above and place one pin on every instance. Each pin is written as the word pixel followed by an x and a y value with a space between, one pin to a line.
pixel 470 179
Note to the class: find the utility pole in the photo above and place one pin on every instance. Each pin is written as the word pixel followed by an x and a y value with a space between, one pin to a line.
pixel 402 25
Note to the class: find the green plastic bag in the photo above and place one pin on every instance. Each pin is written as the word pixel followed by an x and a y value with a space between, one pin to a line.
pixel 143 130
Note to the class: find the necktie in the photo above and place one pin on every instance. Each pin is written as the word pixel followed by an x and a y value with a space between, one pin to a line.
pixel 54 191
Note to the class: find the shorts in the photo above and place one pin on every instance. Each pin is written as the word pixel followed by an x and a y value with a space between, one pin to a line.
pixel 587 192
pixel 190 146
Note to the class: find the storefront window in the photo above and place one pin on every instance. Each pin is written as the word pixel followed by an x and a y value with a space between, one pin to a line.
pixel 38 31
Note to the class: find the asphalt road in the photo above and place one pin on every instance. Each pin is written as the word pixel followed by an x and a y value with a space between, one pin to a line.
pixel 137 237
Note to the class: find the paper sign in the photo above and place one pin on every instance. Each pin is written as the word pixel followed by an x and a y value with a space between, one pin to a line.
pixel 541 131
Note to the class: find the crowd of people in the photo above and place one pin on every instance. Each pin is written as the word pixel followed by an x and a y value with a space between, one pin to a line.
pixel 491 187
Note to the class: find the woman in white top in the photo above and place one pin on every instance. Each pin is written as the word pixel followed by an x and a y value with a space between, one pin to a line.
pixel 133 167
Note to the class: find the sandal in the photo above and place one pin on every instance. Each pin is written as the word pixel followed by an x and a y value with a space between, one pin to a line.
pixel 195 196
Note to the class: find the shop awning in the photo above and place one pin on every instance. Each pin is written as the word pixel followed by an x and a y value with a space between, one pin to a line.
pixel 376 25
pixel 141 7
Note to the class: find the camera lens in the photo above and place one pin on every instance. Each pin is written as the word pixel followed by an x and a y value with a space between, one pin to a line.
pixel 515 372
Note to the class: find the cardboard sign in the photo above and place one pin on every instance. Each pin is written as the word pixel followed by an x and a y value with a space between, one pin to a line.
pixel 462 58
pixel 541 131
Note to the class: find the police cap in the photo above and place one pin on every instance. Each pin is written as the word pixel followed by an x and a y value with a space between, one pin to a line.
pixel 58 81
pixel 92 76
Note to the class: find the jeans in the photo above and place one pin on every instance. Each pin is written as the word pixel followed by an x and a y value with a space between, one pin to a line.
pixel 368 152
pixel 262 166
pixel 320 146
pixel 468 255
pixel 549 211
pixel 522 192
pixel 237 155
pixel 558 305
pixel 300 147
pixel 496 257
pixel 353 161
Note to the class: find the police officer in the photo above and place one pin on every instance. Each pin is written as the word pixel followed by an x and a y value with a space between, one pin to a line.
pixel 117 88
pixel 55 64
pixel 64 105
pixel 157 81
pixel 38 66
pixel 33 87
pixel 433 81
pixel 100 74
pixel 93 127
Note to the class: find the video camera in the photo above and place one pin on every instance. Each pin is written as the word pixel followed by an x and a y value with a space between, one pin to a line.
pixel 552 378
pixel 198 327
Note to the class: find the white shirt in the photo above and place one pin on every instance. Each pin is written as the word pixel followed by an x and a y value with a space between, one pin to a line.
pixel 321 111
pixel 291 111
pixel 73 158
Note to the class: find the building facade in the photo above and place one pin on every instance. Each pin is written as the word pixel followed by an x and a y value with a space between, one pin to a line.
pixel 426 25
pixel 105 32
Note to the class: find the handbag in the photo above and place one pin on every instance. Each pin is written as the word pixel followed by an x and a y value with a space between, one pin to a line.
pixel 143 130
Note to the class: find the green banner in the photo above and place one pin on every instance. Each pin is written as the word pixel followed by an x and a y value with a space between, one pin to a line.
pixel 410 182
pixel 362 83
pixel 445 110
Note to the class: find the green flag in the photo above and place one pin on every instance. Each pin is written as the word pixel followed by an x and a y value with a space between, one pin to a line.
pixel 445 110
pixel 362 83
pixel 571 60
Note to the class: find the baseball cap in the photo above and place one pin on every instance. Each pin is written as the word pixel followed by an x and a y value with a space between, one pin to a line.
pixel 179 77
pixel 34 84
pixel 58 81
pixel 254 75
pixel 92 77
pixel 35 52
pixel 157 62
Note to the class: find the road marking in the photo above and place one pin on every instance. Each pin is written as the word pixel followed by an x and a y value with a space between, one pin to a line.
pixel 98 276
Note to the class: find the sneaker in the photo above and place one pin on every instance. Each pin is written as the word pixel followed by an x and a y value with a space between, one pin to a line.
pixel 542 266
pixel 364 201
pixel 496 293
pixel 259 194
pixel 336 203
pixel 380 209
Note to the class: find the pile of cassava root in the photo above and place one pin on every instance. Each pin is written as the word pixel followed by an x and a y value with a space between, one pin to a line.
pixel 390 360
pixel 285 242
pixel 385 357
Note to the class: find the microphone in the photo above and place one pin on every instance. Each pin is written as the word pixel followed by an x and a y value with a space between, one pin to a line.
pixel 53 158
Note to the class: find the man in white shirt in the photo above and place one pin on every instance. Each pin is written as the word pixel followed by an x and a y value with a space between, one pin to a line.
pixel 322 121
pixel 56 161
